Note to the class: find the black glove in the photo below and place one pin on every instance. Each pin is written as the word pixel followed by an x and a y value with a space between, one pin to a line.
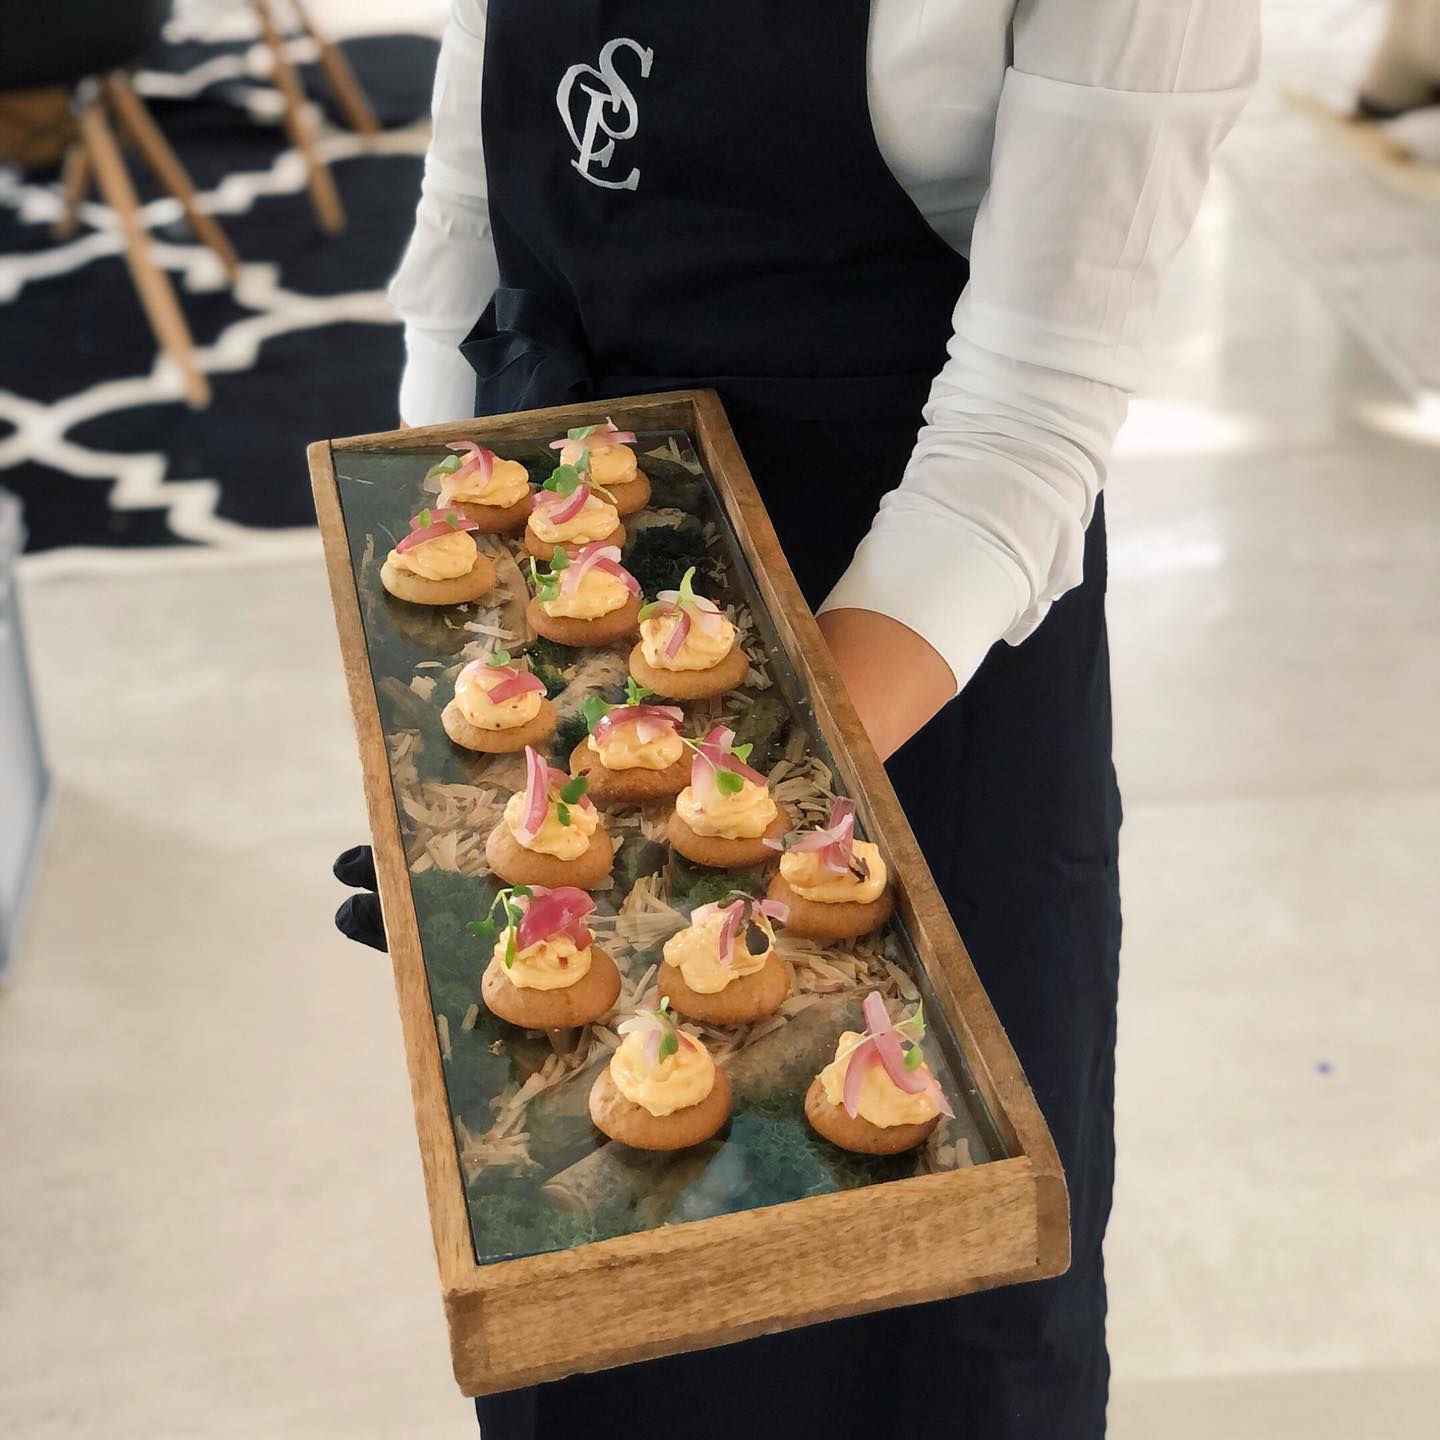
pixel 359 917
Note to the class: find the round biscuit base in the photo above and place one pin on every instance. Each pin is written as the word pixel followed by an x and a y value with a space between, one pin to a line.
pixel 603 630
pixel 631 495
pixel 590 997
pixel 545 550
pixel 497 519
pixel 498 742
pixel 628 787
pixel 747 998
pixel 516 865
pixel 405 585
pixel 821 920
pixel 632 1124
pixel 722 854
pixel 728 674
pixel 856 1134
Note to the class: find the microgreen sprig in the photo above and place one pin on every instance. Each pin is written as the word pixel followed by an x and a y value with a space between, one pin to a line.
pixel 911 1031
pixel 547 582
pixel 565 480
pixel 571 793
pixel 486 930
pixel 727 782
pixel 684 597
pixel 594 709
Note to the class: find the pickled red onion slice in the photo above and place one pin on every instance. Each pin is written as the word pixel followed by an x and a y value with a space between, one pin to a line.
pixel 836 842
pixel 861 1060
pixel 597 555
pixel 513 683
pixel 537 794
pixel 479 461
pixel 565 509
pixel 887 1045
pixel 450 521
pixel 655 718
pixel 734 914
pixel 676 642
pixel 776 910
pixel 705 612
pixel 606 434
pixel 551 913
pixel 714 754
pixel 615 568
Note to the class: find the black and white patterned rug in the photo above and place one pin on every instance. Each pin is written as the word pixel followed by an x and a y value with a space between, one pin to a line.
pixel 94 436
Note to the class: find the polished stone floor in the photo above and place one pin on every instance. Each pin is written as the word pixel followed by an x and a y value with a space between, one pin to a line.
pixel 211 1217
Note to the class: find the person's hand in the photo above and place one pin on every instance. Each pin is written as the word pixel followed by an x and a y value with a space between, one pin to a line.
pixel 896 680
pixel 359 918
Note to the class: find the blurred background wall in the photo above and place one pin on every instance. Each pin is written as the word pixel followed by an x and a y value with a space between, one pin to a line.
pixel 211 1217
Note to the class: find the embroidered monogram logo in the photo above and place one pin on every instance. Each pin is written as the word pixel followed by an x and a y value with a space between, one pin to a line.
pixel 606 113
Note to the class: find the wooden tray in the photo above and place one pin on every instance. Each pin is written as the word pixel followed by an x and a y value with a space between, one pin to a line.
pixel 535 1289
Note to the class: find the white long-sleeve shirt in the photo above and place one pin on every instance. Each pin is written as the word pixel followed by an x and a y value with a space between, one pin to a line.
pixel 1063 146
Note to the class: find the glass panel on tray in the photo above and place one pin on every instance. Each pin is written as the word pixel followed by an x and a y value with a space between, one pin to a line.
pixel 538 1175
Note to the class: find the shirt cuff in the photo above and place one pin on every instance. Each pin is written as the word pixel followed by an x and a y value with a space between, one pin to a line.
pixel 953 589
pixel 438 383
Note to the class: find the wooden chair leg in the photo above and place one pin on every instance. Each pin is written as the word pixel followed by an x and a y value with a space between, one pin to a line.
pixel 152 284
pixel 74 183
pixel 349 93
pixel 323 195
pixel 139 124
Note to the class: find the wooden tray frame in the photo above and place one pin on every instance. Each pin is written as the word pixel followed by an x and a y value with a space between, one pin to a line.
pixel 713 1281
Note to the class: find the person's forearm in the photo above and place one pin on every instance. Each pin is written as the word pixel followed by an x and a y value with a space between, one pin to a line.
pixel 895 680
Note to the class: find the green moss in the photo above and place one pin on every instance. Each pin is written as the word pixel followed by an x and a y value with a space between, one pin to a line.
pixel 673 487
pixel 445 903
pixel 568 734
pixel 549 661
pixel 764 725
pixel 514 1218
pixel 637 857
pixel 692 885
pixel 661 554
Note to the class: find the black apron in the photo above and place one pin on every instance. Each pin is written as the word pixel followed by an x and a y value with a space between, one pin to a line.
pixel 688 195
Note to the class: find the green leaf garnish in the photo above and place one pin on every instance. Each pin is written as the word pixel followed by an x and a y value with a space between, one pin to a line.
pixel 498 657
pixel 742 752
pixel 424 518
pixel 448 466
pixel 560 560
pixel 727 782
pixel 646 611
pixel 581 432
pixel 669 1045
pixel 487 930
pixel 574 789
pixel 564 480
pixel 562 812
pixel 594 709
pixel 547 586
pixel 913 1058
pixel 635 693
pixel 687 588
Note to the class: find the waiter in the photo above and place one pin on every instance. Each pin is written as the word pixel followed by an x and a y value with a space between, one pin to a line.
pixel 914 247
